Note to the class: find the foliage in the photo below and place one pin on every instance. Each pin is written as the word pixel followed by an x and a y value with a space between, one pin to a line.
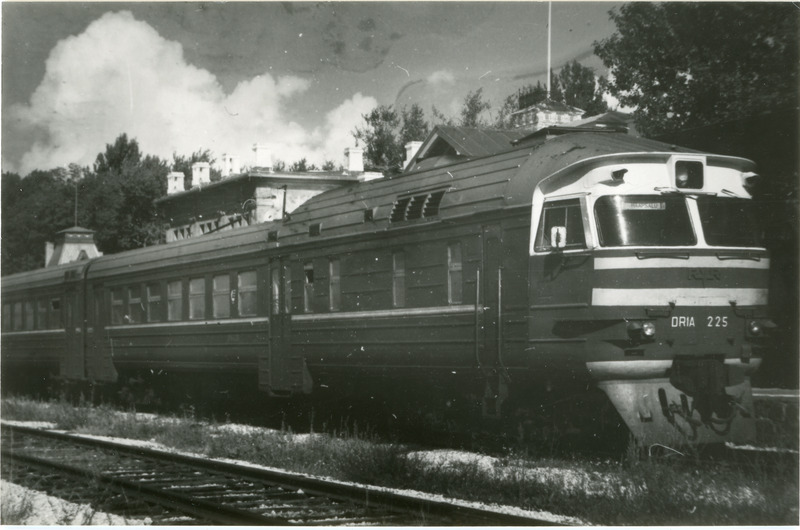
pixel 414 128
pixel 329 165
pixel 609 491
pixel 33 210
pixel 684 65
pixel 121 192
pixel 503 118
pixel 438 117
pixel 302 166
pixel 473 107
pixel 578 87
pixel 115 198
pixel 381 146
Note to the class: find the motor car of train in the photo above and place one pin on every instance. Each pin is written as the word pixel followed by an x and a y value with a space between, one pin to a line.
pixel 503 283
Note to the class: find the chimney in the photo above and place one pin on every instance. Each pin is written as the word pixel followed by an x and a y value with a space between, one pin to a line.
pixel 234 164
pixel 263 158
pixel 230 166
pixel 48 252
pixel 355 159
pixel 201 174
pixel 175 182
pixel 411 150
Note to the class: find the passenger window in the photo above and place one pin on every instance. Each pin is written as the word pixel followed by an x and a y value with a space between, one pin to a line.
pixel 399 279
pixel 28 315
pixel 275 274
pixel 335 287
pixel 55 313
pixel 197 298
pixel 454 273
pixel 287 289
pixel 117 310
pixel 154 302
pixel 135 307
pixel 175 300
pixel 41 314
pixel 308 285
pixel 18 316
pixel 248 300
pixel 6 317
pixel 221 298
pixel 561 213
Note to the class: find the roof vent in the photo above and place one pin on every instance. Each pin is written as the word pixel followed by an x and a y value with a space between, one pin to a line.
pixel 417 206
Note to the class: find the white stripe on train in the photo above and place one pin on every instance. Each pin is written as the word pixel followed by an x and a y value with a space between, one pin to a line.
pixel 633 262
pixel 689 296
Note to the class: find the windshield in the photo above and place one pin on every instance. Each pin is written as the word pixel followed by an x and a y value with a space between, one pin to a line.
pixel 643 220
pixel 729 222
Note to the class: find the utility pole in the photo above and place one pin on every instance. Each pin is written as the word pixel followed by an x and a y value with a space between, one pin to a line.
pixel 549 30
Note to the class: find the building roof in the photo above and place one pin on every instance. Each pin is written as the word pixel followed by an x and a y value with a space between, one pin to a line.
pixel 610 122
pixel 447 144
pixel 75 230
pixel 280 178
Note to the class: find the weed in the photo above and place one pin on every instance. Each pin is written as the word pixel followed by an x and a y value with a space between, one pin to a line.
pixel 635 490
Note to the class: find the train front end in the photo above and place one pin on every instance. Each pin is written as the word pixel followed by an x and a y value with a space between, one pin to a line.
pixel 664 278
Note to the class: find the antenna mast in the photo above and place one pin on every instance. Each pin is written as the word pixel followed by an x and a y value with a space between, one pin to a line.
pixel 549 29
pixel 76 203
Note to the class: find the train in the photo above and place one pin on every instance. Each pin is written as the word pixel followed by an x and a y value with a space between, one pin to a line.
pixel 584 263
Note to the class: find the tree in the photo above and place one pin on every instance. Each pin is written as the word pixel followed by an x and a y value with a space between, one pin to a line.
pixel 579 90
pixel 301 166
pixel 34 208
pixel 121 153
pixel 438 118
pixel 414 128
pixel 684 65
pixel 121 192
pixel 329 165
pixel 509 106
pixel 381 146
pixel 473 107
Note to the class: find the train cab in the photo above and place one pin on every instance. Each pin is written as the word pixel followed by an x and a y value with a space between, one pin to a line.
pixel 649 275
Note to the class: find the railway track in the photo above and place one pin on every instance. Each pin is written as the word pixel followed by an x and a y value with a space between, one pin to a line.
pixel 171 488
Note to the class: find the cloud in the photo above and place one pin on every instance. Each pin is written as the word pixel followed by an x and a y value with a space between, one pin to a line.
pixel 120 75
pixel 441 77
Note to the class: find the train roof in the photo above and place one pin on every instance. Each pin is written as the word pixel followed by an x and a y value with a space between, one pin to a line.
pixel 479 184
pixel 42 278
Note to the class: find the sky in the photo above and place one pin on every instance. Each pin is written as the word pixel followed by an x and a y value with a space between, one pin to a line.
pixel 189 76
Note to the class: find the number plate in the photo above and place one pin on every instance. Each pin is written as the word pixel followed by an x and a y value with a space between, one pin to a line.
pixel 711 321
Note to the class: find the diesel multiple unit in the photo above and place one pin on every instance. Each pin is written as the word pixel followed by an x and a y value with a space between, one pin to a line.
pixel 587 260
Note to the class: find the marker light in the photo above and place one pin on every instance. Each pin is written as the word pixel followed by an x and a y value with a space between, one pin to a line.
pixel 649 329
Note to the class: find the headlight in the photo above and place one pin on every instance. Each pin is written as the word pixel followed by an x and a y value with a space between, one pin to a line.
pixel 638 330
pixel 754 327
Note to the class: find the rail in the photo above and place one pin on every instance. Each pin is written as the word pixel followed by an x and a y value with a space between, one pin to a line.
pixel 215 492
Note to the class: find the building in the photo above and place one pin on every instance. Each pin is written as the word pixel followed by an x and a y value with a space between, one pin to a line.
pixel 71 244
pixel 544 114
pixel 258 195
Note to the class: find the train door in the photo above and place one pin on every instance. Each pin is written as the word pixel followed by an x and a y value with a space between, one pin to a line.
pixel 73 362
pixel 99 363
pixel 490 350
pixel 274 372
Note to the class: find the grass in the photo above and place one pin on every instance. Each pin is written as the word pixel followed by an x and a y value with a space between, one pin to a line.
pixel 624 491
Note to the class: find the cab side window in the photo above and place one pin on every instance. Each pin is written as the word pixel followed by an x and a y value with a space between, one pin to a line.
pixel 566 213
